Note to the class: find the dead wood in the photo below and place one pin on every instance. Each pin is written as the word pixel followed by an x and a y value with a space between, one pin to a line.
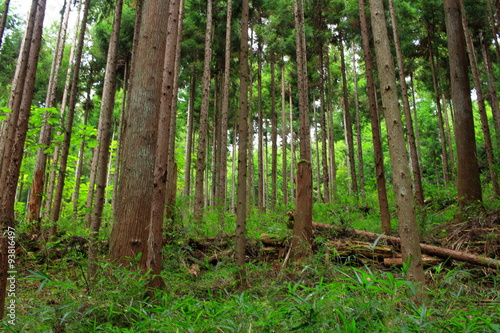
pixel 427 249
pixel 427 260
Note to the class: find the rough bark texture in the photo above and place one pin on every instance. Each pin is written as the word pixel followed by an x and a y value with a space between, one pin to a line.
pixel 154 257
pixel 130 232
pixel 205 101
pixel 407 218
pixel 241 208
pixel 468 181
pixel 410 134
pixel 4 19
pixel 9 180
pixel 375 124
pixel 105 129
pixel 302 230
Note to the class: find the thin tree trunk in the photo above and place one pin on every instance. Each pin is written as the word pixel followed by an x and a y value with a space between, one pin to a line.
pixel 332 171
pixel 189 139
pixel 375 124
pixel 415 166
pixel 348 123
pixel 56 210
pixel 4 19
pixel 415 118
pixel 79 166
pixel 324 129
pixel 274 137
pixel 222 195
pixel 260 129
pixel 241 209
pixel 407 217
pixel 284 134
pixel 46 130
pixel 105 130
pixel 292 148
pixel 442 138
pixel 359 138
pixel 205 100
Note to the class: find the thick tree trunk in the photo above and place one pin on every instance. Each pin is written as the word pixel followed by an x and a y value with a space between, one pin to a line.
pixel 468 181
pixel 375 124
pixel 130 235
pixel 481 104
pixel 154 258
pixel 241 208
pixel 205 101
pixel 410 134
pixel 407 217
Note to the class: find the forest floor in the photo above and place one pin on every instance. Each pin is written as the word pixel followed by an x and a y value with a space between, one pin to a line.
pixel 351 284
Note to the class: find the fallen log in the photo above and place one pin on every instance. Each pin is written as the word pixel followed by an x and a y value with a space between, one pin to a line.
pixel 427 249
pixel 427 260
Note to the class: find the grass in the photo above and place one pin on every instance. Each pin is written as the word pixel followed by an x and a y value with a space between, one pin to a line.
pixel 317 296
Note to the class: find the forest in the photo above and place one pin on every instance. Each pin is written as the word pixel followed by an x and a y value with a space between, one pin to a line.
pixel 250 166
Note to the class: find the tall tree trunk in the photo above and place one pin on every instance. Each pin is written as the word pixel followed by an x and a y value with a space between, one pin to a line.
pixel 332 170
pixel 494 27
pixel 284 134
pixel 442 138
pixel 302 229
pixel 407 217
pixel 9 125
pixel 481 105
pixel 154 259
pixel 105 130
pixel 222 195
pixel 274 136
pixel 359 139
pixel 189 138
pixel 415 166
pixel 375 124
pixel 492 91
pixel 130 234
pixel 260 129
pixel 324 128
pixel 56 210
pixel 292 148
pixel 241 208
pixel 348 122
pixel 205 101
pixel 36 195
pixel 79 166
pixel 10 178
pixel 415 118
pixel 468 181
pixel 4 19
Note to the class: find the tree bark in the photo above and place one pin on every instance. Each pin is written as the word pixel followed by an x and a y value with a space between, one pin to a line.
pixel 4 19
pixel 302 230
pixel 274 137
pixel 481 104
pixel 284 134
pixel 105 130
pixel 130 234
pixel 260 133
pixel 492 92
pixel 56 209
pixel 407 217
pixel 205 101
pixel 410 134
pixel 10 176
pixel 359 139
pixel 241 208
pixel 375 124
pixel 348 123
pixel 468 181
